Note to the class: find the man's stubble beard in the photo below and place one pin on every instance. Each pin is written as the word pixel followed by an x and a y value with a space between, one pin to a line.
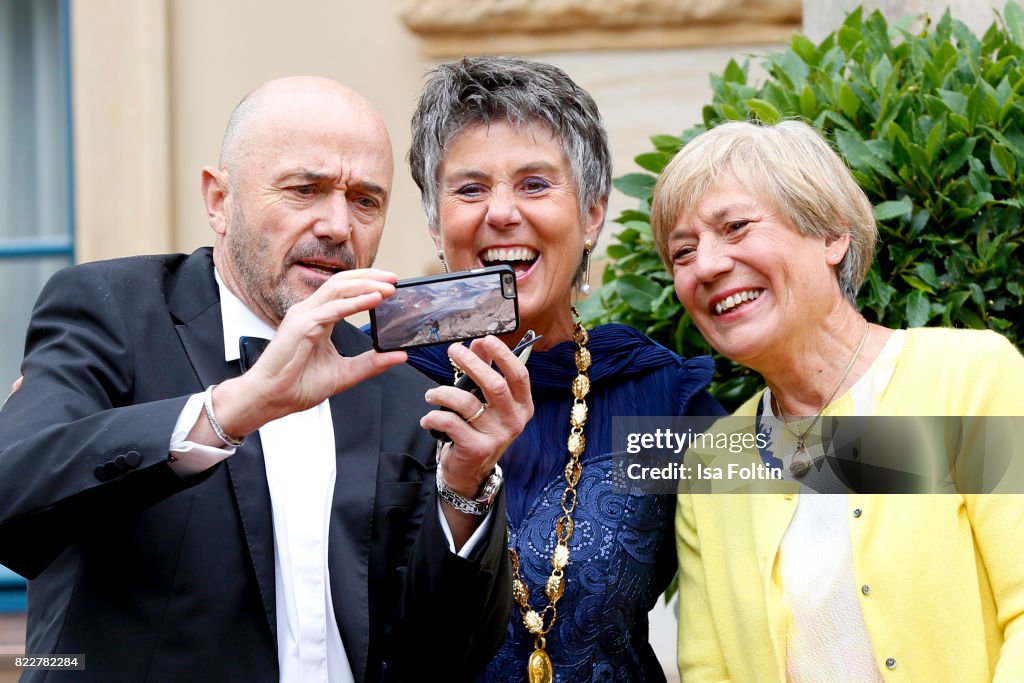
pixel 250 252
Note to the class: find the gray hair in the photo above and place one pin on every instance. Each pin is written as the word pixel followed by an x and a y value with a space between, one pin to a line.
pixel 788 164
pixel 478 90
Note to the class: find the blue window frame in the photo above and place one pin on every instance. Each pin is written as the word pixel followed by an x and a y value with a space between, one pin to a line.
pixel 36 186
pixel 12 591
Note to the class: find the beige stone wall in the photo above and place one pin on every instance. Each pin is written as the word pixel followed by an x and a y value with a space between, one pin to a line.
pixel 221 50
pixel 121 129
pixel 155 80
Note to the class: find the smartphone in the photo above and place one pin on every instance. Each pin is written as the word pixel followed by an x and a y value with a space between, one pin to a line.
pixel 448 308
pixel 521 351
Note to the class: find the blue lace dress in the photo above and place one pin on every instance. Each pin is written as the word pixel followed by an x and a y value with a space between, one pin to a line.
pixel 623 548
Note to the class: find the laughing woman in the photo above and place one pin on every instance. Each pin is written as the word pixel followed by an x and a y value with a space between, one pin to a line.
pixel 513 164
pixel 769 238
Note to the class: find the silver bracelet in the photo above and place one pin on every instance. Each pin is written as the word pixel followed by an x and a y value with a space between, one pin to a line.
pixel 481 505
pixel 218 430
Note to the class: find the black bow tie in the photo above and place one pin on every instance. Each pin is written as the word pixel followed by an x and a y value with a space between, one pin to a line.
pixel 249 350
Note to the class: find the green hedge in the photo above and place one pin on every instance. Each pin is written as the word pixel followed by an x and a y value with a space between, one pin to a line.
pixel 932 126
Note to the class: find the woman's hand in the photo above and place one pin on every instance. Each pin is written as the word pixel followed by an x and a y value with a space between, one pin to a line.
pixel 480 431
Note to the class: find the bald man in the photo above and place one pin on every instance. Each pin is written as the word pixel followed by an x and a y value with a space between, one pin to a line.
pixel 189 509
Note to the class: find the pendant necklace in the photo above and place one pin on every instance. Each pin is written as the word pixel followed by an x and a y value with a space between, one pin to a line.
pixel 800 465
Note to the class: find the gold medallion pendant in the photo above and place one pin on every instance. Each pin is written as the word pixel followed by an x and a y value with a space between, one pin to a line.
pixel 538 670
pixel 538 622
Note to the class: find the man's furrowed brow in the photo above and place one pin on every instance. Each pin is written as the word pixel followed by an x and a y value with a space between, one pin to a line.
pixel 303 175
pixel 371 187
pixel 314 176
pixel 311 175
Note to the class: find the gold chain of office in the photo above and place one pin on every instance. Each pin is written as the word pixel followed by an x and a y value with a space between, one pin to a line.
pixel 539 623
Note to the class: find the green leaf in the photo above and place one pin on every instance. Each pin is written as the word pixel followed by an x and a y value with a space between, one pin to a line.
pixel 936 139
pixel 960 148
pixel 957 299
pixel 918 223
pixel 783 99
pixel 655 162
pixel 806 49
pixel 975 105
pixel 639 185
pixel 1003 162
pixel 978 176
pixel 808 103
pixel 984 244
pixel 795 69
pixel 734 73
pixel 849 39
pixel 665 305
pixel 633 215
pixel 926 272
pixel 666 143
pixel 880 291
pixel 848 101
pixel 732 113
pixel 641 224
pixel 917 284
pixel 861 156
pixel 957 102
pixel 1014 17
pixel 880 72
pixel 617 251
pixel 889 210
pixel 968 318
pixel 628 235
pixel 918 309
pixel 764 110
pixel 637 291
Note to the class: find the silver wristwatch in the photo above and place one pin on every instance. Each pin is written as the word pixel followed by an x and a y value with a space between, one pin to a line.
pixel 478 506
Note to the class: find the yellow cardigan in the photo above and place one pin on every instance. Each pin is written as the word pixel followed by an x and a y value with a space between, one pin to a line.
pixel 945 573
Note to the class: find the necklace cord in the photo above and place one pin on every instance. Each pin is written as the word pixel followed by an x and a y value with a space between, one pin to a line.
pixel 785 420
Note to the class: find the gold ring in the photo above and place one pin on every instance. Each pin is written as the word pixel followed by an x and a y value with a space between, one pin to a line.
pixel 483 407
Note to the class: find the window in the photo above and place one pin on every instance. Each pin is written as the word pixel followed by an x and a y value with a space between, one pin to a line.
pixel 36 203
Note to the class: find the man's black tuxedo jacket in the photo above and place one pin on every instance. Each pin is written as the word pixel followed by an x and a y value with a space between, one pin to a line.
pixel 154 578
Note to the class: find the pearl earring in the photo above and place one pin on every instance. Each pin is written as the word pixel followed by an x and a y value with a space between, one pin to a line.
pixel 588 249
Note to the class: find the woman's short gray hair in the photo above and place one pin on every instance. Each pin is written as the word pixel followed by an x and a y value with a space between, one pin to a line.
pixel 478 90
pixel 787 164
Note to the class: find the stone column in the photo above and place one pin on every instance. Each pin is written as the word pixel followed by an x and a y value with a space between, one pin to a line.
pixel 821 17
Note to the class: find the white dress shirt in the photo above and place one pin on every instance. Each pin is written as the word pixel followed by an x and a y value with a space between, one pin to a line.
pixel 299 455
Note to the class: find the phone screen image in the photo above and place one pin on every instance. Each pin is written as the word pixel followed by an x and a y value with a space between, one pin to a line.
pixel 443 309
